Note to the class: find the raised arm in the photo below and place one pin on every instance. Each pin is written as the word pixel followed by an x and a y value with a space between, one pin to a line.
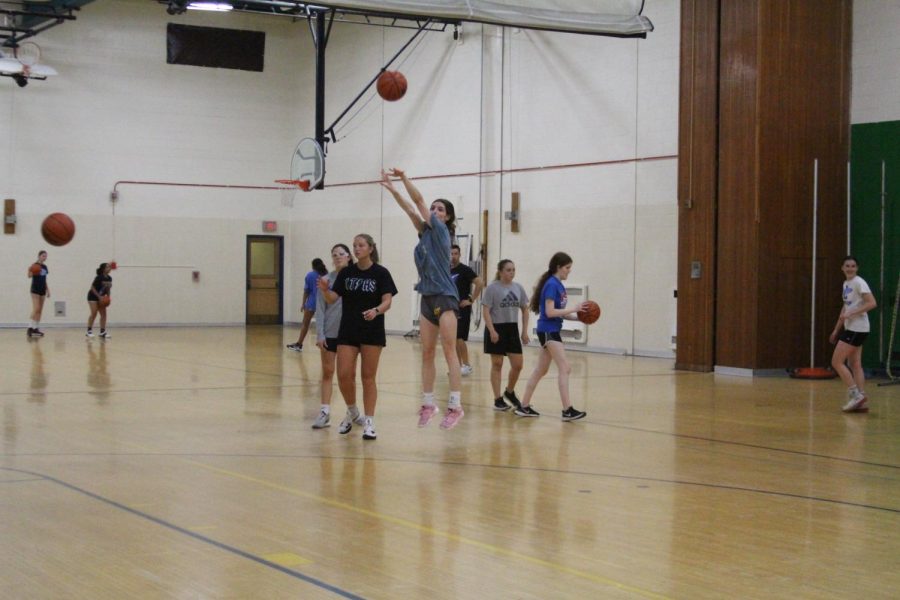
pixel 414 193
pixel 406 207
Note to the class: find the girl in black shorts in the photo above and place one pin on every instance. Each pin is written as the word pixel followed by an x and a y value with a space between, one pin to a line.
pixel 328 322
pixel 39 292
pixel 850 331
pixel 501 302
pixel 366 290
pixel 98 300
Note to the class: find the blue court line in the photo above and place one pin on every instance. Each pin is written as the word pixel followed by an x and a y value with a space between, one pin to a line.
pixel 196 536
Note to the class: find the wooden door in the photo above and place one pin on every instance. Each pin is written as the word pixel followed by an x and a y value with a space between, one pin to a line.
pixel 265 269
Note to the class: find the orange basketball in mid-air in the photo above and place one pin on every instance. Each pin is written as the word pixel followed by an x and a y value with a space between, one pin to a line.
pixel 58 229
pixel 391 85
pixel 589 313
pixel 36 269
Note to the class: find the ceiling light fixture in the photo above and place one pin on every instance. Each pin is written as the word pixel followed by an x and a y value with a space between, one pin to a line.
pixel 213 6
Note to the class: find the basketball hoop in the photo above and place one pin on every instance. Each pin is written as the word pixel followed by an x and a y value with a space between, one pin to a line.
pixel 303 184
pixel 307 166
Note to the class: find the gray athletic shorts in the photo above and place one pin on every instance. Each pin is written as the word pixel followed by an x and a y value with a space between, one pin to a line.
pixel 433 307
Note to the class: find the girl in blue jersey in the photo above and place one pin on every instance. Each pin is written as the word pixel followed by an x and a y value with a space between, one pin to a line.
pixel 549 301
pixel 308 304
pixel 440 300
pixel 39 292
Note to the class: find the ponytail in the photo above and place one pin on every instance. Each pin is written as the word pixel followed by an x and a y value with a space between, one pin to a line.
pixel 102 268
pixel 560 259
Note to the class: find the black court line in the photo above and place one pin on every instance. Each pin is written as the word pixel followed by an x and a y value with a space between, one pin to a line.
pixel 747 445
pixel 718 486
pixel 196 536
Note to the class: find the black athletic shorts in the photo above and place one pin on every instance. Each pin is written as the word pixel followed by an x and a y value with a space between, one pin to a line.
pixel 464 323
pixel 854 338
pixel 550 336
pixel 509 342
pixel 331 344
pixel 359 338
pixel 432 307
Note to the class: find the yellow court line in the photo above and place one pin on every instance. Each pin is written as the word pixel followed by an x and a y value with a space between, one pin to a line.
pixel 435 532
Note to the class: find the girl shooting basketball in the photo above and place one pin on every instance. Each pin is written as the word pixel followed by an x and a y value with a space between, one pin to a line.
pixel 366 290
pixel 39 292
pixel 500 303
pixel 549 301
pixel 440 302
pixel 849 333
pixel 98 300
pixel 328 323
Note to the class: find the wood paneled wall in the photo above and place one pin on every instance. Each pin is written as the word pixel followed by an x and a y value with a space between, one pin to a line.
pixel 697 182
pixel 782 102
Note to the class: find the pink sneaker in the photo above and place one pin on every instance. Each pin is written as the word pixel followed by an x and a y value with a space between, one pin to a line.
pixel 426 413
pixel 452 417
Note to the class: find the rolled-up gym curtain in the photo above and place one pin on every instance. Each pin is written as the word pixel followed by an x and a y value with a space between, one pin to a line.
pixel 599 17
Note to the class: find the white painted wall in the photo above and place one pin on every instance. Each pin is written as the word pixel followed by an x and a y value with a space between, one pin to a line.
pixel 496 100
pixel 876 68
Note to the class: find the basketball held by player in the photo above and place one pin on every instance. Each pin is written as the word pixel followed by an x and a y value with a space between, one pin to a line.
pixel 550 303
pixel 366 290
pixel 850 332
pixel 439 306
pixel 501 304
pixel 40 291
pixel 328 323
pixel 98 299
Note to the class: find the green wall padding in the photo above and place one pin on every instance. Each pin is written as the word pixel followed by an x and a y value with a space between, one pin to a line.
pixel 870 144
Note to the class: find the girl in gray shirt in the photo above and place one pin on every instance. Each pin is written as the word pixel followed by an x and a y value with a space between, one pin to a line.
pixel 328 321
pixel 440 301
pixel 501 304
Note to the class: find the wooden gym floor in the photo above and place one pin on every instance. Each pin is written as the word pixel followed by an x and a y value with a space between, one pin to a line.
pixel 179 463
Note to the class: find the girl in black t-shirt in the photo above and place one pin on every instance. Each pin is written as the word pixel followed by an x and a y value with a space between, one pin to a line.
pixel 98 299
pixel 366 290
pixel 39 292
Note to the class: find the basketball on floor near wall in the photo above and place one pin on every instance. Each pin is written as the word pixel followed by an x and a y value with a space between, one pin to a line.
pixel 391 85
pixel 58 229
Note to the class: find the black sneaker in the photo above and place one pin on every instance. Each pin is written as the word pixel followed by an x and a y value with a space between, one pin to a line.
pixel 526 411
pixel 295 347
pixel 499 404
pixel 512 399
pixel 573 414
pixel 29 332
pixel 37 333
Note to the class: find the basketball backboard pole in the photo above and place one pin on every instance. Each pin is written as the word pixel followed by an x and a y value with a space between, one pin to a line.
pixel 320 38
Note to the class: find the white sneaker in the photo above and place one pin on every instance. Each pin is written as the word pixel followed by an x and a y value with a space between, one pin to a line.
pixel 855 403
pixel 369 430
pixel 105 335
pixel 322 421
pixel 465 370
pixel 89 334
